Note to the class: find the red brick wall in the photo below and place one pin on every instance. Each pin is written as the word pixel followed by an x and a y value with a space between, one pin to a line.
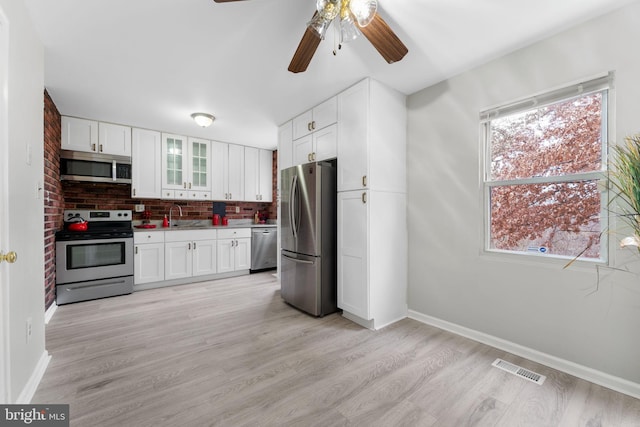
pixel 83 195
pixel 54 203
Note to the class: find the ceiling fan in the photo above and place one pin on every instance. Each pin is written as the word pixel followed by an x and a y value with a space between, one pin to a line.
pixel 355 17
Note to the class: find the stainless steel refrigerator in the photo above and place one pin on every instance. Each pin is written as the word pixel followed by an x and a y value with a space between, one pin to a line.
pixel 308 274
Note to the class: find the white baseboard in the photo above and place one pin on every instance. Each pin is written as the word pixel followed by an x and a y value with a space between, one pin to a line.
pixel 34 380
pixel 48 315
pixel 597 377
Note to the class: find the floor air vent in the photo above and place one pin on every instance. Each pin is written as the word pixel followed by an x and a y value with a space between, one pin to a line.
pixel 521 372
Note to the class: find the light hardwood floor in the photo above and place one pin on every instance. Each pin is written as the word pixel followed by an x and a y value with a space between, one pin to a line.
pixel 232 353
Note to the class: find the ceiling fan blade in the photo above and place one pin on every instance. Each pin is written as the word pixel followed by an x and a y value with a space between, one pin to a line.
pixel 384 40
pixel 306 50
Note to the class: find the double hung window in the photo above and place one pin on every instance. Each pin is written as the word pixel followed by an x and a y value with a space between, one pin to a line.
pixel 544 180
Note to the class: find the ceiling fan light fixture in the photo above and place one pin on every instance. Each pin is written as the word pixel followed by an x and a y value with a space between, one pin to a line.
pixel 328 9
pixel 348 29
pixel 363 10
pixel 319 25
pixel 203 119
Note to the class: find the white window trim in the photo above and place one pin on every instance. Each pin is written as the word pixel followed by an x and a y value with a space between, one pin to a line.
pixel 583 87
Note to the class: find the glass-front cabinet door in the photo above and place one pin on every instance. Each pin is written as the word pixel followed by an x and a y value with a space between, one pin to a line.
pixel 186 164
pixel 173 162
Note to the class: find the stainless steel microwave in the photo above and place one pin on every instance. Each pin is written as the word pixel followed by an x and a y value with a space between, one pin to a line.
pixel 94 167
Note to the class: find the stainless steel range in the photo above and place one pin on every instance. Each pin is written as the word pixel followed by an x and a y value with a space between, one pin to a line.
pixel 94 255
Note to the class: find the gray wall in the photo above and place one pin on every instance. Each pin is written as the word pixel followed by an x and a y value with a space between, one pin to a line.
pixel 536 305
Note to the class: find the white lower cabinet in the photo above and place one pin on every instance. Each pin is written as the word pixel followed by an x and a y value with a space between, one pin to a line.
pixel 190 253
pixel 372 257
pixel 204 257
pixel 234 249
pixel 148 257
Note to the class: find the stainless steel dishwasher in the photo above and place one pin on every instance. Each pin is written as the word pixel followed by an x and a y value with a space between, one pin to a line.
pixel 264 248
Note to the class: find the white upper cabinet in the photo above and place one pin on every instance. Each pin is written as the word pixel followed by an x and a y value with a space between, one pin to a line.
pixel 320 145
pixel 285 146
pixel 258 184
pixel 79 134
pixel 95 137
pixel 186 167
pixel 371 138
pixel 114 139
pixel 146 164
pixel 318 118
pixel 174 164
pixel 199 169
pixel 228 171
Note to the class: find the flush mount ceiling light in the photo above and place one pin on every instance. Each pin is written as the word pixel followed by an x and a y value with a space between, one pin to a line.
pixel 203 119
pixel 354 17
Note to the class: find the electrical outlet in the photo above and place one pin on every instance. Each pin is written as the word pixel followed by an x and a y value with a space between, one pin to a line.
pixel 237 209
pixel 139 208
pixel 29 329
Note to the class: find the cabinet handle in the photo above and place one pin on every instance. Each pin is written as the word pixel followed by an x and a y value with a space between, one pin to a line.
pixel 194 246
pixel 136 250
pixel 93 147
pixel 313 125
pixel 309 126
pixel 364 181
pixel 230 196
pixel 364 197
pixel 184 185
pixel 101 148
pixel 313 156
pixel 189 246
pixel 134 192
pixel 189 186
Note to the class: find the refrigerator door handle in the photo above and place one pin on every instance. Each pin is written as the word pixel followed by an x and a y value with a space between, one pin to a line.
pixel 293 194
pixel 300 261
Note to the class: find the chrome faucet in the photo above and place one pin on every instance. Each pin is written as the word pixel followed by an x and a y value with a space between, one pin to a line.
pixel 171 209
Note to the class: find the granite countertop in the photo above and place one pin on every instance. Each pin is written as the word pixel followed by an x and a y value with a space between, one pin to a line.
pixel 186 224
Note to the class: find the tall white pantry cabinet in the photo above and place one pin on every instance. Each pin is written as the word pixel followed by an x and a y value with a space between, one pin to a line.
pixel 372 225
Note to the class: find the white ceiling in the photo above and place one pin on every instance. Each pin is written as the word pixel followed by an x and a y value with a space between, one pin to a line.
pixel 151 63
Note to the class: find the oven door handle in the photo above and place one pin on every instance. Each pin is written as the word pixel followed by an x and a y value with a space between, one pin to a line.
pixel 114 169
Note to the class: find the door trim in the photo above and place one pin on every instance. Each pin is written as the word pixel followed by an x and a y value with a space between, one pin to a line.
pixel 5 379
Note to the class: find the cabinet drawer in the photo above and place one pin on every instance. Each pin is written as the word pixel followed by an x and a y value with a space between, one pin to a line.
pixel 234 233
pixel 142 237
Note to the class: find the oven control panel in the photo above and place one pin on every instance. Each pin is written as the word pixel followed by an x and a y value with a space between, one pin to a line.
pixel 98 215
